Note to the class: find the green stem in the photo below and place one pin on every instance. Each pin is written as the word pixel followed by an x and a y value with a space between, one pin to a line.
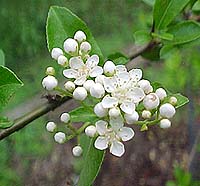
pixel 63 92
pixel 69 125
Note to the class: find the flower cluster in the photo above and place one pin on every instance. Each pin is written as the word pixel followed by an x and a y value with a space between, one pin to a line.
pixel 123 97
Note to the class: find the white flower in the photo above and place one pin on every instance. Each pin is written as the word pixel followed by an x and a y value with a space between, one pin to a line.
pixel 100 79
pixel 60 137
pixel 146 114
pixel 88 84
pixel 112 136
pixel 165 123
pixel 49 82
pixel 65 117
pixel 151 101
pixel 62 60
pixel 145 85
pixel 109 68
pixel 114 112
pixel 85 47
pixel 120 69
pixel 56 52
pixel 70 86
pixel 71 46
pixel 161 93
pixel 131 118
pixel 81 71
pixel 80 93
pixel 77 151
pixel 167 110
pixel 97 90
pixel 123 90
pixel 90 131
pixel 80 36
pixel 51 126
pixel 100 111
pixel 173 100
pixel 50 71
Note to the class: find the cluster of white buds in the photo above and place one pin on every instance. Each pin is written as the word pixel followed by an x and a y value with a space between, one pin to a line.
pixel 120 95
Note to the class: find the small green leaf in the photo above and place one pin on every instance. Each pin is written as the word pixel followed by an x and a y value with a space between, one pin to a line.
pixel 184 32
pixel 83 114
pixel 61 24
pixel 9 84
pixel 149 2
pixel 2 58
pixel 92 159
pixel 118 58
pixel 168 51
pixel 196 6
pixel 163 35
pixel 142 37
pixel 144 128
pixel 5 123
pixel 152 53
pixel 166 10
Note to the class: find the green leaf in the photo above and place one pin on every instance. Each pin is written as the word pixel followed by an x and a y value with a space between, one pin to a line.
pixel 163 35
pixel 166 10
pixel 167 51
pixel 92 158
pixel 2 58
pixel 196 6
pixel 61 24
pixel 83 114
pixel 118 58
pixel 9 84
pixel 184 32
pixel 5 123
pixel 149 2
pixel 142 37
pixel 152 53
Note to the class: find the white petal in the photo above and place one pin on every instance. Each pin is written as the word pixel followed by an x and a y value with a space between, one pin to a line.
pixel 121 68
pixel 136 74
pixel 117 148
pixel 101 143
pixel 109 102
pixel 76 62
pixel 116 122
pixel 92 61
pixel 101 127
pixel 110 84
pixel 136 94
pixel 97 70
pixel 123 78
pixel 80 80
pixel 70 73
pixel 128 107
pixel 126 133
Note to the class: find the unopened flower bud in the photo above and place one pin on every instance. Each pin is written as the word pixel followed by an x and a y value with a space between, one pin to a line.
pixel 71 46
pixel 167 110
pixel 109 68
pixel 51 126
pixel 146 114
pixel 173 100
pixel 97 90
pixel 70 86
pixel 85 47
pixel 77 151
pixel 80 36
pixel 60 137
pixel 100 111
pixel 80 93
pixel 56 52
pixel 88 84
pixel 49 82
pixel 161 93
pixel 65 117
pixel 62 60
pixel 165 123
pixel 50 71
pixel 100 79
pixel 145 85
pixel 131 118
pixel 151 101
pixel 114 112
pixel 90 131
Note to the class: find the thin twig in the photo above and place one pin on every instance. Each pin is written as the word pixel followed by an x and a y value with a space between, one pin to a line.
pixel 32 115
